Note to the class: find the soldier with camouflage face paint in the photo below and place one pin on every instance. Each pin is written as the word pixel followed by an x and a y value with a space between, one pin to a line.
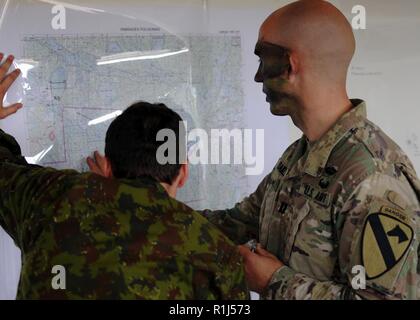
pixel 344 195
pixel 119 238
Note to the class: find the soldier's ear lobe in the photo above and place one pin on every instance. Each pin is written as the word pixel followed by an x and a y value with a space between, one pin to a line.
pixel 183 175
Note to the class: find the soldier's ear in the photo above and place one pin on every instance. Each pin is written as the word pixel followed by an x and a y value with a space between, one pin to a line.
pixel 183 175
pixel 294 67
pixel 107 169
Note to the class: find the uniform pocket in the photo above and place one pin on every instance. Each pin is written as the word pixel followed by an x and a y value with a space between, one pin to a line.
pixel 312 247
pixel 288 215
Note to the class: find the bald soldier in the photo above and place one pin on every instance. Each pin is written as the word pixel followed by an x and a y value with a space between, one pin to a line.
pixel 342 204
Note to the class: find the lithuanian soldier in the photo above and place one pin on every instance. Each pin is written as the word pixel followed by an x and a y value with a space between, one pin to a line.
pixel 338 217
pixel 84 236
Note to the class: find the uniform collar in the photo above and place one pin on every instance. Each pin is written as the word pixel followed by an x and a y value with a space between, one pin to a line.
pixel 320 150
pixel 145 182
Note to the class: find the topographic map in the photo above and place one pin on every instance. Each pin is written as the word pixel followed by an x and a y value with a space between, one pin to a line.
pixel 79 83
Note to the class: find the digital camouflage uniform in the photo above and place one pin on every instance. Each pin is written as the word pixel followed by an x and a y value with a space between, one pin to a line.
pixel 349 199
pixel 116 239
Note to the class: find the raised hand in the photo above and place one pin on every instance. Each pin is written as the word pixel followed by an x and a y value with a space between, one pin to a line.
pixel 6 80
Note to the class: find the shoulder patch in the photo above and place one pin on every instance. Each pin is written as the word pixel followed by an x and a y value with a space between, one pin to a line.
pixel 400 215
pixel 386 239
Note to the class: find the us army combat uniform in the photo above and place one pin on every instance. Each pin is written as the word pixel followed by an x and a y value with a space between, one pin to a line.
pixel 350 199
pixel 116 239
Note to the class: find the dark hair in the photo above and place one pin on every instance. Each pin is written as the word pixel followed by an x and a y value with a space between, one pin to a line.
pixel 131 144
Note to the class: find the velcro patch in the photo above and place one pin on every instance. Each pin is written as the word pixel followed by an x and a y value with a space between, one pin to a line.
pixel 386 239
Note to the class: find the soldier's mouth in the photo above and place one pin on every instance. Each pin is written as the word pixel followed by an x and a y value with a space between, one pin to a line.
pixel 267 95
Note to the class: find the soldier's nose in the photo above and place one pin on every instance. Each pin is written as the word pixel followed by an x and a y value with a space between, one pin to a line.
pixel 258 77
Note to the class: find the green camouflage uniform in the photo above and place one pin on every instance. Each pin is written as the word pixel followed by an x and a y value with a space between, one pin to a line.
pixel 116 239
pixel 349 199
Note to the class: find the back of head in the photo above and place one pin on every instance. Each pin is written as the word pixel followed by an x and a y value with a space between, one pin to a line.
pixel 131 143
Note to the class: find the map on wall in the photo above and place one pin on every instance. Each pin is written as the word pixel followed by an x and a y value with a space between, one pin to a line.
pixel 79 83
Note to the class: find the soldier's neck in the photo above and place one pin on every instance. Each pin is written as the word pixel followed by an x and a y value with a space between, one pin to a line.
pixel 170 189
pixel 316 120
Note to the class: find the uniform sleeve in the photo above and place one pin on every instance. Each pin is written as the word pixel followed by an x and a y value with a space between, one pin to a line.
pixel 10 150
pixel 231 278
pixel 241 223
pixel 25 190
pixel 218 267
pixel 378 248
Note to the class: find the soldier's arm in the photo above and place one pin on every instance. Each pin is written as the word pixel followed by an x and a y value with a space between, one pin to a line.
pixel 218 266
pixel 230 277
pixel 10 150
pixel 11 163
pixel 240 223
pixel 378 239
pixel 25 191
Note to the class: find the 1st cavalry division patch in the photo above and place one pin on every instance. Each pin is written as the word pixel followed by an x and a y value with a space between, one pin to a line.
pixel 385 242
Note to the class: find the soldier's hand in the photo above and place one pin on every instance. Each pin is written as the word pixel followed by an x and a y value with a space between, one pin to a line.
pixel 97 164
pixel 6 80
pixel 259 267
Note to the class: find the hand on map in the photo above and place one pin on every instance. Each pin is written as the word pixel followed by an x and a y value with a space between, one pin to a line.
pixel 97 164
pixel 6 80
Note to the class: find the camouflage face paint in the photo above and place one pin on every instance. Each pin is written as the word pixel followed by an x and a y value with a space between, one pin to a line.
pixel 272 72
pixel 274 61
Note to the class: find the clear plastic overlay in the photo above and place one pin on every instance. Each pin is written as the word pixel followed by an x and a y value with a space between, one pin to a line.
pixel 82 66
